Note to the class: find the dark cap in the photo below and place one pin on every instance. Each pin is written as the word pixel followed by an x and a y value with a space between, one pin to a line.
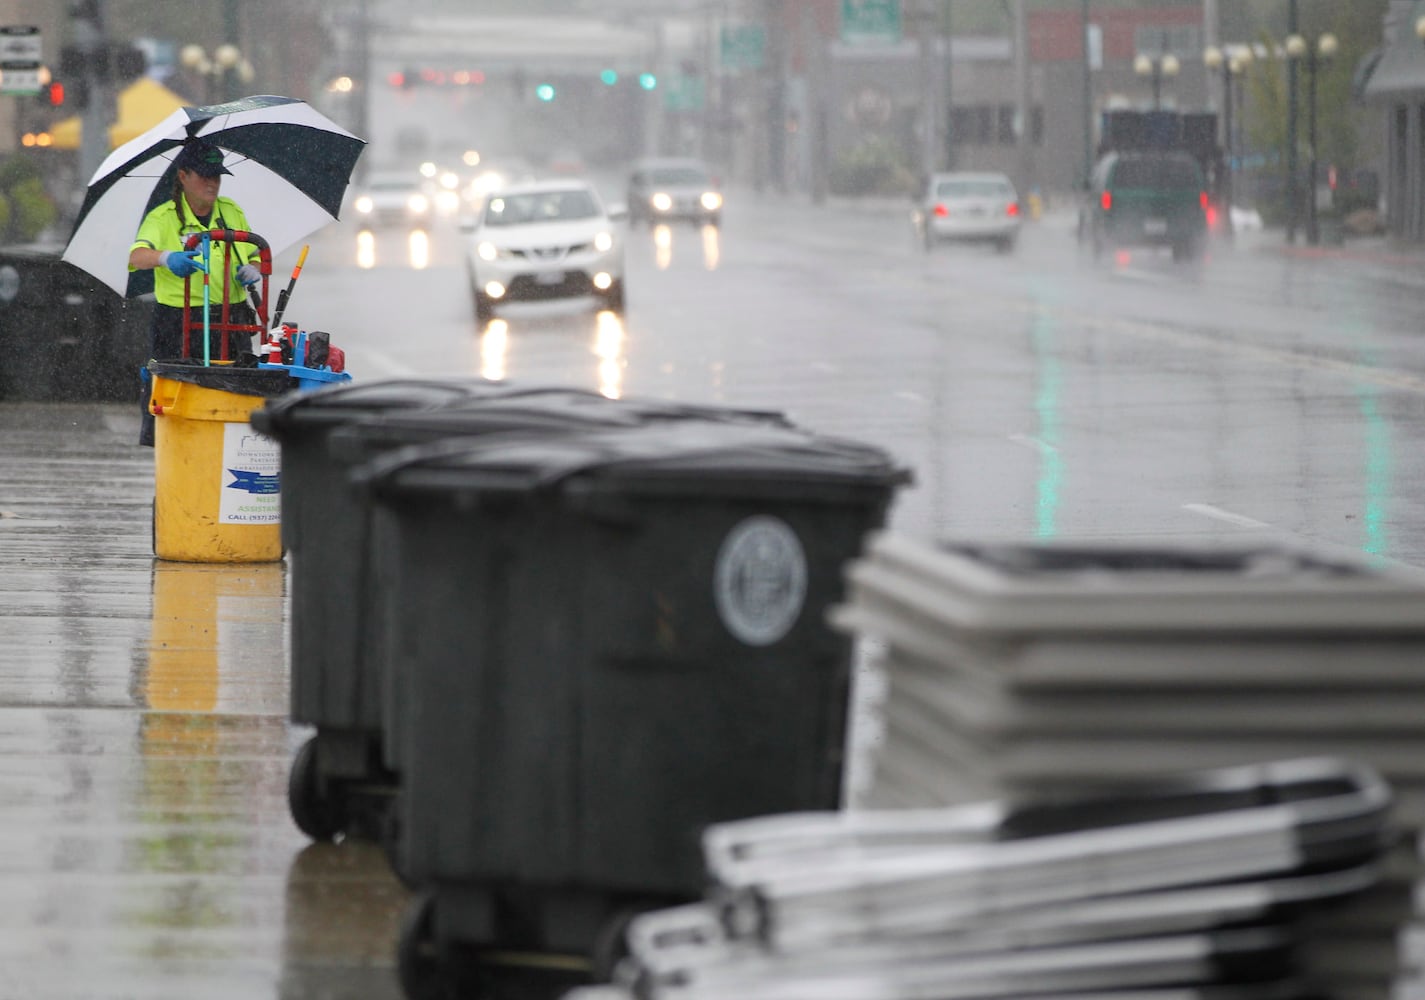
pixel 201 158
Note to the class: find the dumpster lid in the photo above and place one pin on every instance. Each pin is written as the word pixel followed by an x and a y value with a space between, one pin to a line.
pixel 340 403
pixel 245 381
pixel 545 409
pixel 701 451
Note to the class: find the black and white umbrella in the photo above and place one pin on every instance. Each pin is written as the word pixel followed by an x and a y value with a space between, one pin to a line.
pixel 290 168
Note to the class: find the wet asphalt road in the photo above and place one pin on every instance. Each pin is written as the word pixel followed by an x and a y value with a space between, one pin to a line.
pixel 146 850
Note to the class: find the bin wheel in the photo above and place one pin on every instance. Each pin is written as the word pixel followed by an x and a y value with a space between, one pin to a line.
pixel 390 847
pixel 611 946
pixel 313 810
pixel 418 956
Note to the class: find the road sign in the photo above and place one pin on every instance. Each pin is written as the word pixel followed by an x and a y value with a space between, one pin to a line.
pixel 742 46
pixel 20 43
pixel 19 78
pixel 20 54
pixel 684 93
pixel 871 21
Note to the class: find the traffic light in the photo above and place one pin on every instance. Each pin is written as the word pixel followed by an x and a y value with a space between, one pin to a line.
pixel 54 94
pixel 609 76
pixel 647 81
pixel 545 92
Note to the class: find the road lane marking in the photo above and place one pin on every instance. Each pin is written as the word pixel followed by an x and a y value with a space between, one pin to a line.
pixel 1218 514
pixel 1033 442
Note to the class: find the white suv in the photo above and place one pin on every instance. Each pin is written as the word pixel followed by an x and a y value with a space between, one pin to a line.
pixel 544 240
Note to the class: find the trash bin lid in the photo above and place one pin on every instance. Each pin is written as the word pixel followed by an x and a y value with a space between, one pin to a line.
pixel 708 455
pixel 342 403
pixel 545 409
pixel 225 378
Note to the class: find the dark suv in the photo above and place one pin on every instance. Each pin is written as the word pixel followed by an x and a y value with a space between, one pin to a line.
pixel 1146 199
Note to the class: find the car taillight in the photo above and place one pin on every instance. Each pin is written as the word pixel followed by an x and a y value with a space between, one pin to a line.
pixel 1012 209
pixel 1106 201
pixel 941 210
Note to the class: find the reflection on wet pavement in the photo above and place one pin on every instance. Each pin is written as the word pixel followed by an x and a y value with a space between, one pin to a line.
pixel 147 849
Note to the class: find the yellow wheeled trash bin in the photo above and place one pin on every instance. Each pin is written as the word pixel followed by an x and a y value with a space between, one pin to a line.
pixel 217 481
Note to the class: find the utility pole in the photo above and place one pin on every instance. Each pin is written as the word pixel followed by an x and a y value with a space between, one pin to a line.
pixel 1292 194
pixel 1211 39
pixel 947 111
pixel 814 46
pixel 230 35
pixel 90 41
pixel 1022 97
pixel 925 39
pixel 1088 92
pixel 364 88
pixel 776 106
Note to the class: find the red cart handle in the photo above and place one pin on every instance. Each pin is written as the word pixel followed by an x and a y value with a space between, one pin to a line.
pixel 225 325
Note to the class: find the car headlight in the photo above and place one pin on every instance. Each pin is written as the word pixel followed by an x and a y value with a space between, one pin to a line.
pixel 419 204
pixel 662 201
pixel 487 250
pixel 603 241
pixel 364 204
pixel 711 200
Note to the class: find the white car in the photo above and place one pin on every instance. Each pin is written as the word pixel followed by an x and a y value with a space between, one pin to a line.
pixel 393 198
pixel 972 207
pixel 545 240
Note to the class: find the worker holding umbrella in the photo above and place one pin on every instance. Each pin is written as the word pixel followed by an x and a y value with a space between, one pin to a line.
pixel 196 206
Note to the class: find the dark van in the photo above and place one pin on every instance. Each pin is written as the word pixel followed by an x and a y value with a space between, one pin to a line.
pixel 1146 199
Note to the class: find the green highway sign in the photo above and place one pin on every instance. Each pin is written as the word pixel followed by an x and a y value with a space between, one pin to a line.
pixel 871 21
pixel 742 46
pixel 684 93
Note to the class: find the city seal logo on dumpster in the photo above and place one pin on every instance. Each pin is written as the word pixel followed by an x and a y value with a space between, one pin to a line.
pixel 760 580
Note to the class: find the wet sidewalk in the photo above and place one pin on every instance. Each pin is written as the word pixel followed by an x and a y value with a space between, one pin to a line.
pixel 147 849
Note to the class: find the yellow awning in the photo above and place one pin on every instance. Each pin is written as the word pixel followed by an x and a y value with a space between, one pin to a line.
pixel 142 105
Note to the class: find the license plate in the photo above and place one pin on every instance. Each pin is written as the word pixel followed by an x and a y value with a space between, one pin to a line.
pixel 1155 227
pixel 549 278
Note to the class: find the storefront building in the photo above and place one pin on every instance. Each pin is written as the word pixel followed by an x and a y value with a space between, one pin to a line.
pixel 1396 83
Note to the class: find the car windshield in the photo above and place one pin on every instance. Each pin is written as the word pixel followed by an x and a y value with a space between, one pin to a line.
pixel 973 188
pixel 541 206
pixel 1157 172
pixel 678 175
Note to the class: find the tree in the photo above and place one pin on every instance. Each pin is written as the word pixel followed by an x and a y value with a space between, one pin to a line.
pixel 1357 30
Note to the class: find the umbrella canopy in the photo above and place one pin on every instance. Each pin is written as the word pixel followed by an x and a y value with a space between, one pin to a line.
pixel 290 168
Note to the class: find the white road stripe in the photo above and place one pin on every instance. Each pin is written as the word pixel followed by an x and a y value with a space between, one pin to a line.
pixel 1033 442
pixel 1217 513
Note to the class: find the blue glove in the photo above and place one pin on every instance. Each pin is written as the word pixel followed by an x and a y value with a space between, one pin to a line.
pixel 182 263
pixel 249 275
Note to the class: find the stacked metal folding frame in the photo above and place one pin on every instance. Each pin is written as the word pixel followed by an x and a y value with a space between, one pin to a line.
pixel 1193 886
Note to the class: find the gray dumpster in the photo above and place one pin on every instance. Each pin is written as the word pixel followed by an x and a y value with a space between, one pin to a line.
pixel 607 641
pixel 341 780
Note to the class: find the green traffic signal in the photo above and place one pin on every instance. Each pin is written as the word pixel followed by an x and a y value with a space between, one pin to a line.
pixel 647 81
pixel 545 92
pixel 609 76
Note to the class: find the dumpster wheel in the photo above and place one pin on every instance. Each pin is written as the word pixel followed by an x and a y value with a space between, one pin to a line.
pixel 428 969
pixel 312 808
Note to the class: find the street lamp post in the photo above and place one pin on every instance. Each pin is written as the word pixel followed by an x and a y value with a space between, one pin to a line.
pixel 1316 57
pixel 216 71
pixel 1158 67
pixel 1231 63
